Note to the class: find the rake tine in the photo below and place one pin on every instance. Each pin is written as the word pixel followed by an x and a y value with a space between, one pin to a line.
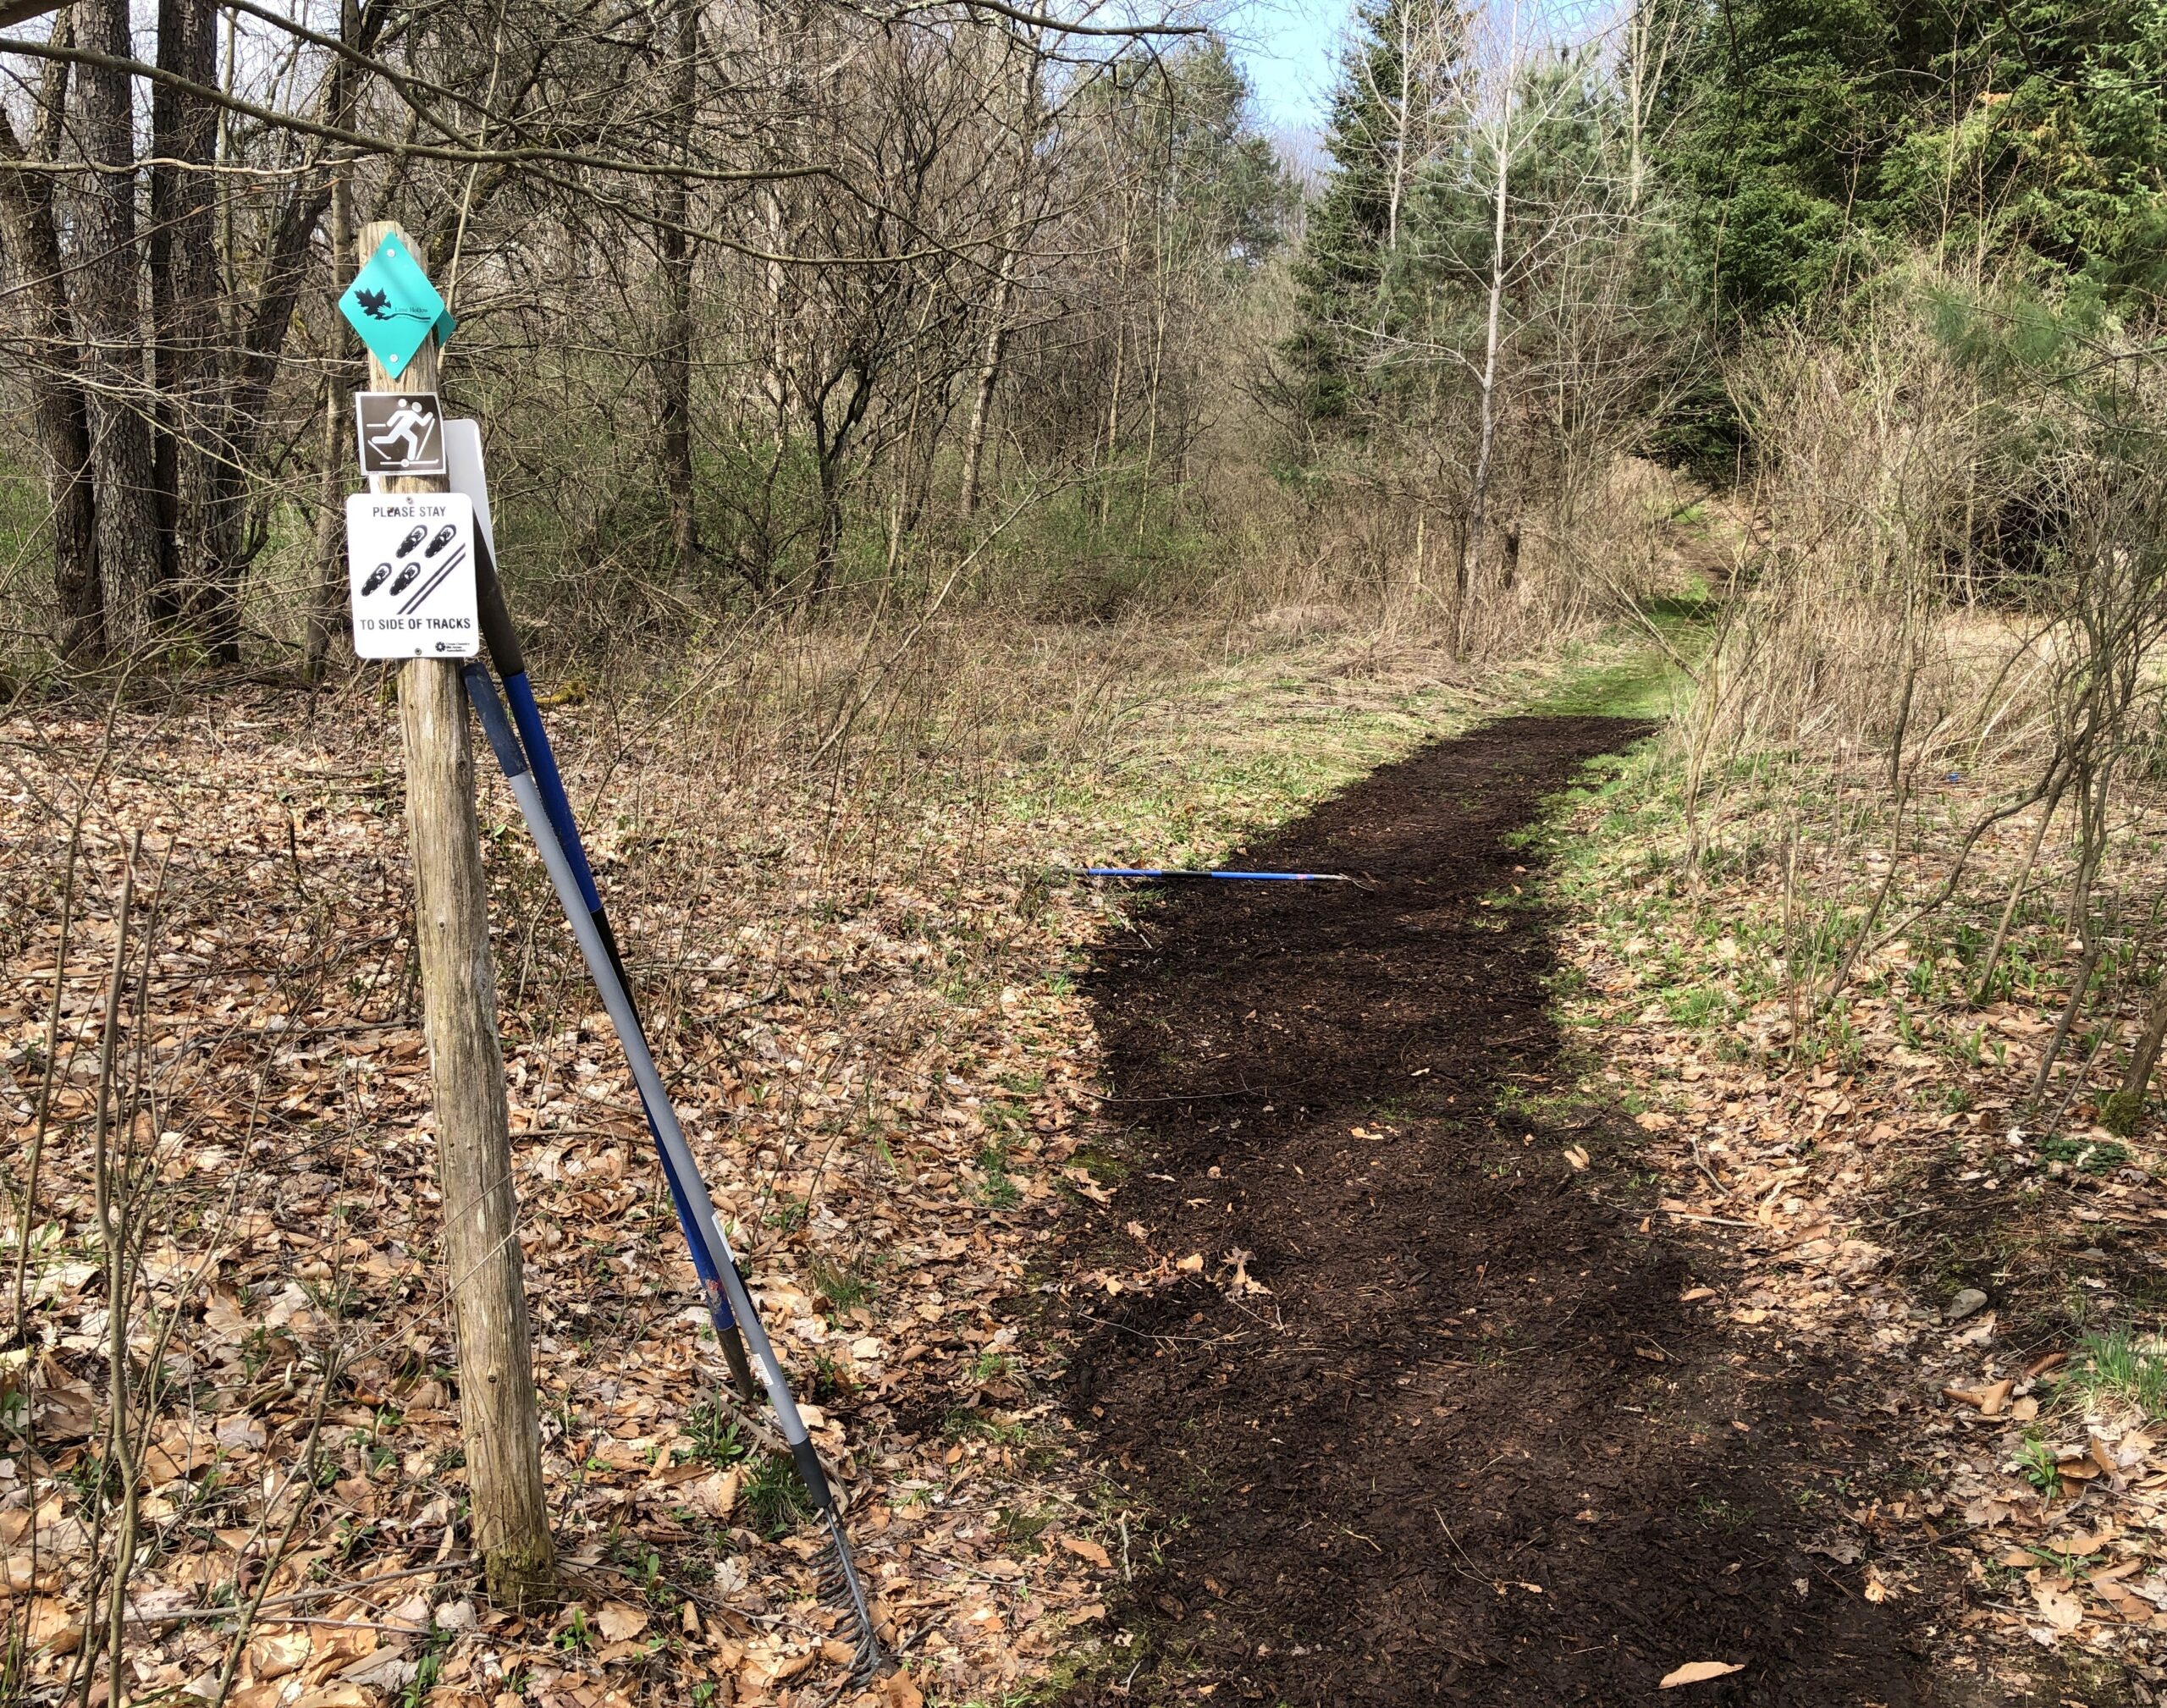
pixel 843 1588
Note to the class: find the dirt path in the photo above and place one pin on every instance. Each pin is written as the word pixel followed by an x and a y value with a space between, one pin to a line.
pixel 1477 1443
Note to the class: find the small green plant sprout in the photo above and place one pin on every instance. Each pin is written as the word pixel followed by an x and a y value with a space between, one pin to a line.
pixel 844 1286
pixel 994 1372
pixel 2035 1460
pixel 575 1634
pixel 2093 1156
pixel 773 1501
pixel 713 1433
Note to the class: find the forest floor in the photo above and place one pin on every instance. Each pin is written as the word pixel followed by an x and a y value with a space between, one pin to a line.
pixel 1460 1285
pixel 859 957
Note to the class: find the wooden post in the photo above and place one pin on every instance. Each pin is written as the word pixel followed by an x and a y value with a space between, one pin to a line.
pixel 497 1413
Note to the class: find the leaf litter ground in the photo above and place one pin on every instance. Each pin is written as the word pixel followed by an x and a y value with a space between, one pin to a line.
pixel 861 984
pixel 1552 1405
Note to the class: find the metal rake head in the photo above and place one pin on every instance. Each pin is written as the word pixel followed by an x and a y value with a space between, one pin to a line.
pixel 840 1587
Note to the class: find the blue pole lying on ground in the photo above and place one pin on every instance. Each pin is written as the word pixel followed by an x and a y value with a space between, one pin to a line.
pixel 1235 877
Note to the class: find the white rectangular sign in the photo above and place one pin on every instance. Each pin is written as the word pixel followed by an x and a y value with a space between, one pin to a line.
pixel 463 465
pixel 410 566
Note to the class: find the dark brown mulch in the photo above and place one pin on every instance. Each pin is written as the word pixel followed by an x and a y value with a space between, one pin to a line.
pixel 1472 1447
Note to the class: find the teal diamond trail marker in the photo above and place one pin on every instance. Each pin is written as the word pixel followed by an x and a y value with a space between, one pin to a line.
pixel 393 307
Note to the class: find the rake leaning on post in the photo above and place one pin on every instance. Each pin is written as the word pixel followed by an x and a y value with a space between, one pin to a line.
pixel 839 1584
pixel 530 768
pixel 499 1421
pixel 536 753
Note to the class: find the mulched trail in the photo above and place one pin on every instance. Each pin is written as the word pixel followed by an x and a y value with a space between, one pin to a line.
pixel 1472 1446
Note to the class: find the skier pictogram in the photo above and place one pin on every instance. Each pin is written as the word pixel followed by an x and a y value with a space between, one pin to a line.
pixel 409 424
pixel 399 432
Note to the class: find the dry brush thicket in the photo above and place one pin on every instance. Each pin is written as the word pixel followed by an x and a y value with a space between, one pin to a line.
pixel 1880 927
pixel 772 312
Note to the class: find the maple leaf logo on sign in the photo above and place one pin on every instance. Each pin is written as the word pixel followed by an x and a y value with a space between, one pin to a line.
pixel 378 307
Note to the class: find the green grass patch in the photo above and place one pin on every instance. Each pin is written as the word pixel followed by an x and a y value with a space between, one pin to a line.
pixel 1638 673
pixel 776 1501
pixel 2118 1370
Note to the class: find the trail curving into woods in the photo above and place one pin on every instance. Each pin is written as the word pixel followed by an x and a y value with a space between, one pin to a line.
pixel 1475 1441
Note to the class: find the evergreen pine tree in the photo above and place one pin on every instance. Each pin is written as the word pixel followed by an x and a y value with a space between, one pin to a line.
pixel 1396 85
pixel 1817 137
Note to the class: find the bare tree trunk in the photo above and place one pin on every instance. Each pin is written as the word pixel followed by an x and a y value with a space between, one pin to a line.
pixel 1028 130
pixel 1154 380
pixel 827 539
pixel 110 308
pixel 185 290
pixel 1479 497
pixel 330 564
pixel 674 411
pixel 1121 350
pixel 2121 1111
pixel 996 345
pixel 2080 986
pixel 59 408
pixel 1406 108
pixel 192 574
pixel 760 555
pixel 1652 33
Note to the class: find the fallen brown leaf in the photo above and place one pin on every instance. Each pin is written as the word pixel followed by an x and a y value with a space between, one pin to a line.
pixel 619 1621
pixel 1698 1671
pixel 2063 1613
pixel 1084 1549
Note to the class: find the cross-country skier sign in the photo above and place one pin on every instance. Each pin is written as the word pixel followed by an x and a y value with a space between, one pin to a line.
pixel 400 433
pixel 410 567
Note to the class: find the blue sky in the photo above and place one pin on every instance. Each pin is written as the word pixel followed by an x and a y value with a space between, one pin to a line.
pixel 1289 48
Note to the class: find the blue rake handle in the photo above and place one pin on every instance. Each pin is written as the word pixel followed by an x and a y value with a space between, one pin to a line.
pixel 540 762
pixel 840 1582
pixel 1227 877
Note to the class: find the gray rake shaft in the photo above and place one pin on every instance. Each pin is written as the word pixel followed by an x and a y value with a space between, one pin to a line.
pixel 840 1582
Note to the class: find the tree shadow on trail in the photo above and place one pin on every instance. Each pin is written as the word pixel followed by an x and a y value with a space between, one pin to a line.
pixel 1473 1445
